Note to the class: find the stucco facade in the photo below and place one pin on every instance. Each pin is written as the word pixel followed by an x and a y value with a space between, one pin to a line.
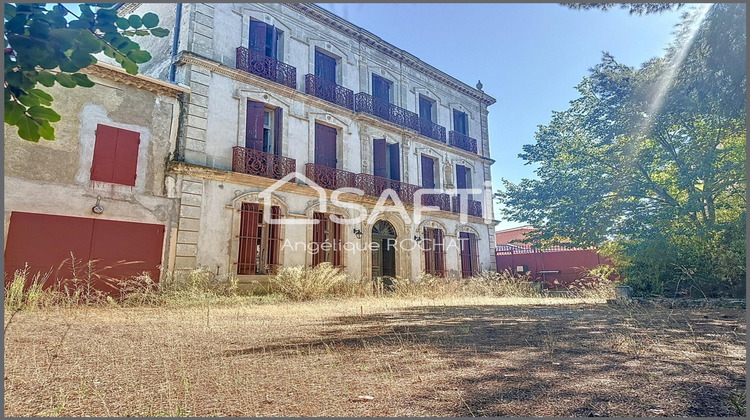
pixel 211 190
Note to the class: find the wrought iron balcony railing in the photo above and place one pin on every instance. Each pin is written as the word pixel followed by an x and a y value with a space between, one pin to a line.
pixel 432 130
pixel 364 102
pixel 256 162
pixel 329 91
pixel 441 201
pixel 266 67
pixel 474 207
pixel 462 141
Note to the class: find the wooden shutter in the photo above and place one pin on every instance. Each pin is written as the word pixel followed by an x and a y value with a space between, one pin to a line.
pixel 429 265
pixel 336 240
pixel 273 247
pixel 466 258
pixel 278 115
pixel 249 238
pixel 272 42
pixel 126 157
pixel 395 156
pixel 425 109
pixel 325 145
pixel 258 35
pixel 319 237
pixel 378 157
pixel 325 67
pixel 254 125
pixel 428 172
pixel 460 177
pixel 381 88
pixel 460 123
pixel 437 237
pixel 103 164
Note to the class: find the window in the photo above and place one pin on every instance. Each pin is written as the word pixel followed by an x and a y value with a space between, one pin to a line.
pixel 386 159
pixel 434 257
pixel 115 155
pixel 469 256
pixel 460 122
pixel 327 240
pixel 259 242
pixel 429 174
pixel 463 177
pixel 325 145
pixel 426 109
pixel 381 88
pixel 325 67
pixel 263 128
pixel 265 39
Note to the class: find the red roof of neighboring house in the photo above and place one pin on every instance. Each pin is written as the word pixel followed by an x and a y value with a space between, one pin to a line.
pixel 506 236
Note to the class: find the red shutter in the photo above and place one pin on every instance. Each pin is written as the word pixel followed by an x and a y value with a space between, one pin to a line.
pixel 395 162
pixel 319 237
pixel 336 231
pixel 249 238
pixel 254 125
pixel 426 243
pixel 103 164
pixel 428 172
pixel 126 157
pixel 325 145
pixel 274 240
pixel 438 251
pixel 378 153
pixel 466 259
pixel 278 115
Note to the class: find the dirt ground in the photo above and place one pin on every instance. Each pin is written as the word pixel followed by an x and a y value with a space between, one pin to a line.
pixel 479 357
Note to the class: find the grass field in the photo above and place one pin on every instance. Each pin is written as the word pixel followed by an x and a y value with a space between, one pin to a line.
pixel 456 357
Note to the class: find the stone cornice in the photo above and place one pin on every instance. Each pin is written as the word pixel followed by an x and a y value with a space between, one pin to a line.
pixel 139 81
pixel 187 57
pixel 347 28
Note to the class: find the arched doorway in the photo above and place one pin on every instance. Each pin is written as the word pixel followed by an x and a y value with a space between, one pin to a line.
pixel 384 254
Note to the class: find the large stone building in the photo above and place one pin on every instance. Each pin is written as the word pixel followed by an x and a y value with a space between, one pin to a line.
pixel 292 92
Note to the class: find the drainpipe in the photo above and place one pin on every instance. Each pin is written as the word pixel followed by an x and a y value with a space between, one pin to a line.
pixel 175 41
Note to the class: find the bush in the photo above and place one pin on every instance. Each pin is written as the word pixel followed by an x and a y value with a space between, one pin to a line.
pixel 302 283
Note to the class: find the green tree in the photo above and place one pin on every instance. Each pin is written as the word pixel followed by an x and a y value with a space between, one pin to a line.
pixel 652 160
pixel 633 8
pixel 47 45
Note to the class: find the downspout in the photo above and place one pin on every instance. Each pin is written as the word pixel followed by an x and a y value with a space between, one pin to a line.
pixel 175 42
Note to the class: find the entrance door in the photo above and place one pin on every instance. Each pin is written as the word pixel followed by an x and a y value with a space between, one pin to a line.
pixel 384 255
pixel 325 145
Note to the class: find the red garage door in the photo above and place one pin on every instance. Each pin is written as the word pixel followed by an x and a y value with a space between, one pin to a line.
pixel 116 249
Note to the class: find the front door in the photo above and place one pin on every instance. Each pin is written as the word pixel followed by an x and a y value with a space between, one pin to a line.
pixel 325 145
pixel 384 254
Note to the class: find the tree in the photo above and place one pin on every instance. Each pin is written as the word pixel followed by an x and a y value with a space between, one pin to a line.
pixel 650 160
pixel 48 45
pixel 634 8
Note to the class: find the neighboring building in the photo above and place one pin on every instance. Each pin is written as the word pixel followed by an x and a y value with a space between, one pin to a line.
pixel 284 88
pixel 109 154
pixel 556 266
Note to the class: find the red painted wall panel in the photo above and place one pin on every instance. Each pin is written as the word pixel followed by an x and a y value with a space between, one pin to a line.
pixel 569 263
pixel 123 249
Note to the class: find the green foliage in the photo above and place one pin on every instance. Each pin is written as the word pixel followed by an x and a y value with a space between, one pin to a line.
pixel 49 45
pixel 633 8
pixel 652 159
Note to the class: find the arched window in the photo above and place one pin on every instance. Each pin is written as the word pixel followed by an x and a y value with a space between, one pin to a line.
pixel 259 242
pixel 434 254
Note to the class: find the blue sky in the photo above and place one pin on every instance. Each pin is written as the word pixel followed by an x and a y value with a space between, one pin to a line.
pixel 529 57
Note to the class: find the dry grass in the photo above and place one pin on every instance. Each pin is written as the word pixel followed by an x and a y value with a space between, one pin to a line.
pixel 417 357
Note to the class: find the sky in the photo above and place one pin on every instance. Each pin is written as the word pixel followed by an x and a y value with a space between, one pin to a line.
pixel 528 56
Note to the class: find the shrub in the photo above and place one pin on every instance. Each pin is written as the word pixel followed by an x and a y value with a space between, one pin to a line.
pixel 302 283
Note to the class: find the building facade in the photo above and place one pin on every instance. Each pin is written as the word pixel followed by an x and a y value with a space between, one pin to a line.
pixel 98 192
pixel 288 104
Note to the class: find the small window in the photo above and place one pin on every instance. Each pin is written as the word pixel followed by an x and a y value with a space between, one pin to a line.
pixel 325 67
pixel 429 172
pixel 259 242
pixel 263 128
pixel 328 241
pixel 265 39
pixel 115 155
pixel 386 159
pixel 381 88
pixel 426 108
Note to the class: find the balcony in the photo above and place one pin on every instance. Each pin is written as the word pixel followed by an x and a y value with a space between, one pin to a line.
pixel 266 67
pixel 332 179
pixel 441 201
pixel 329 91
pixel 256 162
pixel 430 129
pixel 366 103
pixel 474 207
pixel 462 141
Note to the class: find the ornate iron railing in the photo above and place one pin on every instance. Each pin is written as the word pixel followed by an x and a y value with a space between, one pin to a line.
pixel 329 178
pixel 432 130
pixel 441 201
pixel 462 141
pixel 266 67
pixel 256 162
pixel 364 102
pixel 474 207
pixel 329 91
pixel 375 185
